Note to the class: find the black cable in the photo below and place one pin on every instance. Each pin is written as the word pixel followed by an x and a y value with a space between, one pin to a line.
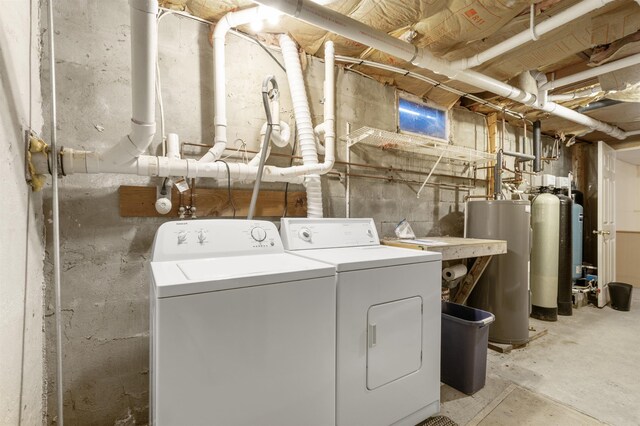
pixel 286 187
pixel 233 206
pixel 266 49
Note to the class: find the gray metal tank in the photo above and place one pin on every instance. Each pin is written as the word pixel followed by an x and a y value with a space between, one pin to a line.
pixel 503 289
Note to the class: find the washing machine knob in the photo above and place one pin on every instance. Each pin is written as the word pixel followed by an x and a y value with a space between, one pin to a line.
pixel 202 236
pixel 182 237
pixel 258 234
pixel 305 234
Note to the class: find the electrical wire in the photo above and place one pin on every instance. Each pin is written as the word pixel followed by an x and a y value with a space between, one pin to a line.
pixel 286 187
pixel 161 15
pixel 233 206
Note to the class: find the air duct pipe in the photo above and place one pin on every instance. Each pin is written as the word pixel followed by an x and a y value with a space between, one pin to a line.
pixel 537 146
pixel 144 44
pixel 323 17
pixel 304 125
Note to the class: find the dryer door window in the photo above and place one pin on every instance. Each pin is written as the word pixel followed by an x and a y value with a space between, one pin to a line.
pixel 394 341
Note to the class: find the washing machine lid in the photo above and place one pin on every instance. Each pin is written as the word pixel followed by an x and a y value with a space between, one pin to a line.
pixel 178 278
pixel 367 257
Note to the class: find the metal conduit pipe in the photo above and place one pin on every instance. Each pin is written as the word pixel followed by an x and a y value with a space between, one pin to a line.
pixel 497 176
pixel 537 146
pixel 550 24
pixel 55 204
pixel 320 16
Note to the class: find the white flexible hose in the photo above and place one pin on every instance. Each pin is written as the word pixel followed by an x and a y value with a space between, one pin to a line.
pixel 303 122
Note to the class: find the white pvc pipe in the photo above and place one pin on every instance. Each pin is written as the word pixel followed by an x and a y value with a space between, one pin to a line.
pixel 529 34
pixel 593 72
pixel 144 45
pixel 576 95
pixel 343 25
pixel 228 21
pixel 173 146
pixel 304 124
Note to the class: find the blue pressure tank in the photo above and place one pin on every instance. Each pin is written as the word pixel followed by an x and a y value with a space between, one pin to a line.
pixel 577 217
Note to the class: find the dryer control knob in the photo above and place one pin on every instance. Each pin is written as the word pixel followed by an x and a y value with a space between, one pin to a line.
pixel 305 234
pixel 258 234
pixel 182 237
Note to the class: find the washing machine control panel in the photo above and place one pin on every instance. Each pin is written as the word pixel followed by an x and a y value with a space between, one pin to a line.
pixel 205 238
pixel 300 234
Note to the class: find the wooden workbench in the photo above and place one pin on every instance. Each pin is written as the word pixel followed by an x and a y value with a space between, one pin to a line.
pixel 454 248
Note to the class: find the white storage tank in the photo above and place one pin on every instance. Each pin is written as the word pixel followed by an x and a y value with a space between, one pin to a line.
pixel 545 223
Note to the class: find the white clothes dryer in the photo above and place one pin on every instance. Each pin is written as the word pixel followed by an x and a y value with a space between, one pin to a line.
pixel 242 333
pixel 388 320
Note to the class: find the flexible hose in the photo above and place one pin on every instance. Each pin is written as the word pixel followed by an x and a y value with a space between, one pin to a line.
pixel 265 144
pixel 303 123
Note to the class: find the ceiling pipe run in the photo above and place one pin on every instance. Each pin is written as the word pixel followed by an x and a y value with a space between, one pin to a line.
pixel 593 72
pixel 330 20
pixel 531 34
pixel 563 97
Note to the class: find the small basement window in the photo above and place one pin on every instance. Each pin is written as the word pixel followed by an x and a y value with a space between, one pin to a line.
pixel 422 119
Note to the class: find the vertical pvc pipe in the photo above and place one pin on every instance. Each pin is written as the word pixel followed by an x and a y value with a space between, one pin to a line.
pixel 537 146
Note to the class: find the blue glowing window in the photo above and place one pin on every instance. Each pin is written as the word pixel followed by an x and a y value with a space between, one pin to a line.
pixel 419 118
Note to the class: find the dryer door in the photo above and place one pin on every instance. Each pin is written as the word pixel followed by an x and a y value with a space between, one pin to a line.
pixel 394 341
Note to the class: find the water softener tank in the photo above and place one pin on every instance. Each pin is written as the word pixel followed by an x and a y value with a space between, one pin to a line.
pixel 565 256
pixel 576 234
pixel 503 288
pixel 545 223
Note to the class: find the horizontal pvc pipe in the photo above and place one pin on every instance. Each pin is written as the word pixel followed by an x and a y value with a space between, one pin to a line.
pixel 525 36
pixel 519 155
pixel 563 97
pixel 593 72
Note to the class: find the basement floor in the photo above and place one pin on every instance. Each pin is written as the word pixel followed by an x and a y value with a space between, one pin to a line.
pixel 584 371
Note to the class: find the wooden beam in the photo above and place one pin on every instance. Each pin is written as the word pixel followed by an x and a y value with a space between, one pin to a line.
pixel 471 279
pixel 139 201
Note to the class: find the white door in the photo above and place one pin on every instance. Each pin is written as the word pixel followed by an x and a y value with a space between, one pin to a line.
pixel 606 220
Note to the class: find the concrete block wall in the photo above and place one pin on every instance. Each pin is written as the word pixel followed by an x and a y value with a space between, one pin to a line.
pixel 105 271
pixel 21 225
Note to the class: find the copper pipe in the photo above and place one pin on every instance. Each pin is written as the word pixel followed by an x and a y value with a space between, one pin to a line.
pixel 486 197
pixel 400 180
pixel 345 163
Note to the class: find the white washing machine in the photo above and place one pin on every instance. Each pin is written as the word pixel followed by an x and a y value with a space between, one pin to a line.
pixel 242 333
pixel 388 320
